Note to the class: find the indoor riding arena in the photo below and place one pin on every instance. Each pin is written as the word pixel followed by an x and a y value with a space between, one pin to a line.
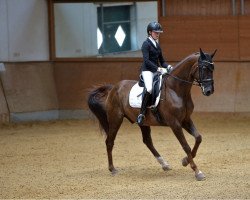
pixel 54 52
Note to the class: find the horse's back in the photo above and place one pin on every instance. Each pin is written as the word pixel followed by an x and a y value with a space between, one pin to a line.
pixel 125 85
pixel 123 88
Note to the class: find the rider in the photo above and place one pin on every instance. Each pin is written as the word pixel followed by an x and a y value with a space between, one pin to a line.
pixel 152 61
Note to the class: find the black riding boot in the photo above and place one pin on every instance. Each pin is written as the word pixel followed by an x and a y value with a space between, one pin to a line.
pixel 141 116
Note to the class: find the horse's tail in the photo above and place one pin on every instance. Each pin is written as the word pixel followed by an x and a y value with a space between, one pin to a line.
pixel 96 103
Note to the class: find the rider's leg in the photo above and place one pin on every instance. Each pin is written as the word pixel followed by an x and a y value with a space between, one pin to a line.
pixel 141 116
pixel 148 81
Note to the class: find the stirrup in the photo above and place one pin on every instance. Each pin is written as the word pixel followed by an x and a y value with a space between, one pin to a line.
pixel 140 119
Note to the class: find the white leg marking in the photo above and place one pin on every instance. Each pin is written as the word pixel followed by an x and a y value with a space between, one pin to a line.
pixel 163 163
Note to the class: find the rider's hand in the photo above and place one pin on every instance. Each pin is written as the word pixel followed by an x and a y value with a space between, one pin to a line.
pixel 162 70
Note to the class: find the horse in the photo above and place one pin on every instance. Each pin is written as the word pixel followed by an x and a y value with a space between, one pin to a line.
pixel 110 104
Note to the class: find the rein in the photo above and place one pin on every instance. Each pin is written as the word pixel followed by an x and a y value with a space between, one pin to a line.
pixel 197 83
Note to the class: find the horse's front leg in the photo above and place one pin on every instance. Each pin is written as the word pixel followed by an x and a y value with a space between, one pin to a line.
pixel 177 129
pixel 190 128
pixel 147 140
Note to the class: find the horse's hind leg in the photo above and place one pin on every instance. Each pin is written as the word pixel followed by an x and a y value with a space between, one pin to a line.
pixel 114 126
pixel 147 140
pixel 190 128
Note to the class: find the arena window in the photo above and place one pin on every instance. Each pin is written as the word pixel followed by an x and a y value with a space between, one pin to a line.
pixel 82 29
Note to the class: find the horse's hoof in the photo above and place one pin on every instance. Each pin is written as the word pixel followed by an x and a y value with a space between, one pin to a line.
pixel 200 176
pixel 167 167
pixel 114 172
pixel 185 162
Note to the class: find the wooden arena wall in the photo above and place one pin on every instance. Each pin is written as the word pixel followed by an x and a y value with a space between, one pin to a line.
pixel 231 84
pixel 4 112
pixel 58 89
pixel 27 87
pixel 229 34
pixel 204 7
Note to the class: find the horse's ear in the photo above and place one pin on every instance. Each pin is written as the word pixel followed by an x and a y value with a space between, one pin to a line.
pixel 203 56
pixel 213 53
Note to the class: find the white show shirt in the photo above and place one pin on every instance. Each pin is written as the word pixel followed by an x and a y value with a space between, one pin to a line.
pixel 152 40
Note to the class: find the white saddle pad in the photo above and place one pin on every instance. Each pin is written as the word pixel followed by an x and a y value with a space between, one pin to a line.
pixel 135 97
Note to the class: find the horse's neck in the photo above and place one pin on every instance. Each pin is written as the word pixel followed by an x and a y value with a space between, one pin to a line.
pixel 184 69
pixel 183 72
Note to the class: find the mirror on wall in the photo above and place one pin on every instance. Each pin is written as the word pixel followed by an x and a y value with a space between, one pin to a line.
pixel 101 29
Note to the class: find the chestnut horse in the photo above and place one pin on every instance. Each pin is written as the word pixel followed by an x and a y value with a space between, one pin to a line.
pixel 110 104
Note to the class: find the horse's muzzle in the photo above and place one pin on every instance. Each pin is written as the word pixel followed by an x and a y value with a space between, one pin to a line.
pixel 207 91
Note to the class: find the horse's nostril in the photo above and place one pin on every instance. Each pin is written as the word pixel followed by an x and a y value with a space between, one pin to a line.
pixel 208 92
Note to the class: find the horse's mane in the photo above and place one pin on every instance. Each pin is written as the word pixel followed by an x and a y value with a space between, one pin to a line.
pixel 187 59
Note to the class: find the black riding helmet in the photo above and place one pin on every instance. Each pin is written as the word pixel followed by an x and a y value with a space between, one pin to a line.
pixel 154 26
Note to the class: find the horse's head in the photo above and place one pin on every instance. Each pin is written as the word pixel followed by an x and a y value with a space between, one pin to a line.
pixel 204 74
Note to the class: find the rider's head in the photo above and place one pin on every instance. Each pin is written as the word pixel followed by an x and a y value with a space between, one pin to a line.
pixel 154 29
pixel 154 26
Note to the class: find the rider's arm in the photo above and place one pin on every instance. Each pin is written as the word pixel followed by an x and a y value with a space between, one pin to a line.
pixel 164 64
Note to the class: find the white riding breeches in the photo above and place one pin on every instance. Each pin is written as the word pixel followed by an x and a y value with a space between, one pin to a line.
pixel 148 80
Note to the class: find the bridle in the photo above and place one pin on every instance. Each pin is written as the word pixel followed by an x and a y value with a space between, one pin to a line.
pixel 202 65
